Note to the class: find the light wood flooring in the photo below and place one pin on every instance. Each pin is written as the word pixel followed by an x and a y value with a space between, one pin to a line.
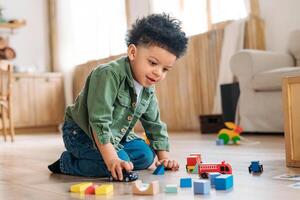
pixel 24 173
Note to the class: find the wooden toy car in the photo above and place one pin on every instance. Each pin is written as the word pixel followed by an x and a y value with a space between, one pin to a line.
pixel 127 176
pixel 231 133
pixel 255 167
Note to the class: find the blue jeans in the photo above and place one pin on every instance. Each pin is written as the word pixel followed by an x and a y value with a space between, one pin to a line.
pixel 81 158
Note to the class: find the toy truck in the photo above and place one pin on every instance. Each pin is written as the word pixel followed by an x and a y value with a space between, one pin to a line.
pixel 255 167
pixel 205 168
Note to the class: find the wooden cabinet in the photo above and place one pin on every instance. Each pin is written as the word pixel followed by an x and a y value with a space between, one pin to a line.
pixel 38 100
pixel 22 101
pixel 291 102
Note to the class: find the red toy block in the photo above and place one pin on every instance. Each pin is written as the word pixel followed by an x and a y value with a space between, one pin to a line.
pixel 199 156
pixel 90 189
pixel 192 160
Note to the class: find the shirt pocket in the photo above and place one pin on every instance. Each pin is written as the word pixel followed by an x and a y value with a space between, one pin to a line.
pixel 124 99
pixel 122 107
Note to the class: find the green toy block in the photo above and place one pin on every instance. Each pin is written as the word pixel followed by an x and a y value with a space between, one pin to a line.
pixel 171 188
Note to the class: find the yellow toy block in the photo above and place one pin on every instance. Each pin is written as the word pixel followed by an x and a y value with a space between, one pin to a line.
pixel 104 189
pixel 79 188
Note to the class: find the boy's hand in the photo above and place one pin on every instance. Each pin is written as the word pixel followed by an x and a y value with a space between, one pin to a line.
pixel 168 164
pixel 114 164
pixel 117 165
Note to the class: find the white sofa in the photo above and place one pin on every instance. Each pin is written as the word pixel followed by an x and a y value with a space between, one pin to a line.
pixel 260 75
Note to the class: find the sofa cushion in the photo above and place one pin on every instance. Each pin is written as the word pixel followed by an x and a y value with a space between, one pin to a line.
pixel 271 80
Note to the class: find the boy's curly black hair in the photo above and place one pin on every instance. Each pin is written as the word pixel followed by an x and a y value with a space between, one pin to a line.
pixel 161 30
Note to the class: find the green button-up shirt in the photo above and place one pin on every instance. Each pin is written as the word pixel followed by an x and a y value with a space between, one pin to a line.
pixel 107 106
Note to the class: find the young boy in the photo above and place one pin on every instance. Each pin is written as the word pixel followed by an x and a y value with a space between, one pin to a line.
pixel 97 131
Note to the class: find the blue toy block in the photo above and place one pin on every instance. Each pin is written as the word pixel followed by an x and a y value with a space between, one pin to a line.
pixel 195 170
pixel 224 182
pixel 220 142
pixel 212 177
pixel 160 170
pixel 201 186
pixel 185 182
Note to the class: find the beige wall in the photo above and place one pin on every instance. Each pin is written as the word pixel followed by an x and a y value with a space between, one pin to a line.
pixel 281 16
pixel 32 41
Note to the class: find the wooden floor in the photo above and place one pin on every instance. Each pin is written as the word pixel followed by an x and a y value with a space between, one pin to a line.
pixel 24 173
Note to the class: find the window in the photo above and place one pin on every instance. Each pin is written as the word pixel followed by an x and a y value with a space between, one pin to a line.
pixel 92 29
pixel 226 10
pixel 194 13
pixel 87 30
pixel 99 28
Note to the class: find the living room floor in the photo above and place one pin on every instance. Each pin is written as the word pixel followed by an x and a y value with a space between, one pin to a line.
pixel 24 173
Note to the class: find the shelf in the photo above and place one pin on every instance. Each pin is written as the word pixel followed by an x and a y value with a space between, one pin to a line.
pixel 13 25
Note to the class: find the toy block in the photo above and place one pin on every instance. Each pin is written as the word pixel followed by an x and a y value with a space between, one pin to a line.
pixel 224 182
pixel 212 177
pixel 171 188
pixel 195 170
pixel 140 188
pixel 90 189
pixel 198 155
pixel 185 182
pixel 160 170
pixel 104 189
pixel 219 142
pixel 201 186
pixel 80 187
pixel 192 160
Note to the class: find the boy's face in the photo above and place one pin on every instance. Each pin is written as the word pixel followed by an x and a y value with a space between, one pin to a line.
pixel 150 64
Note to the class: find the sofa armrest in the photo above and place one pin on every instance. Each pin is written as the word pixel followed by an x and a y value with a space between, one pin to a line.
pixel 248 62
